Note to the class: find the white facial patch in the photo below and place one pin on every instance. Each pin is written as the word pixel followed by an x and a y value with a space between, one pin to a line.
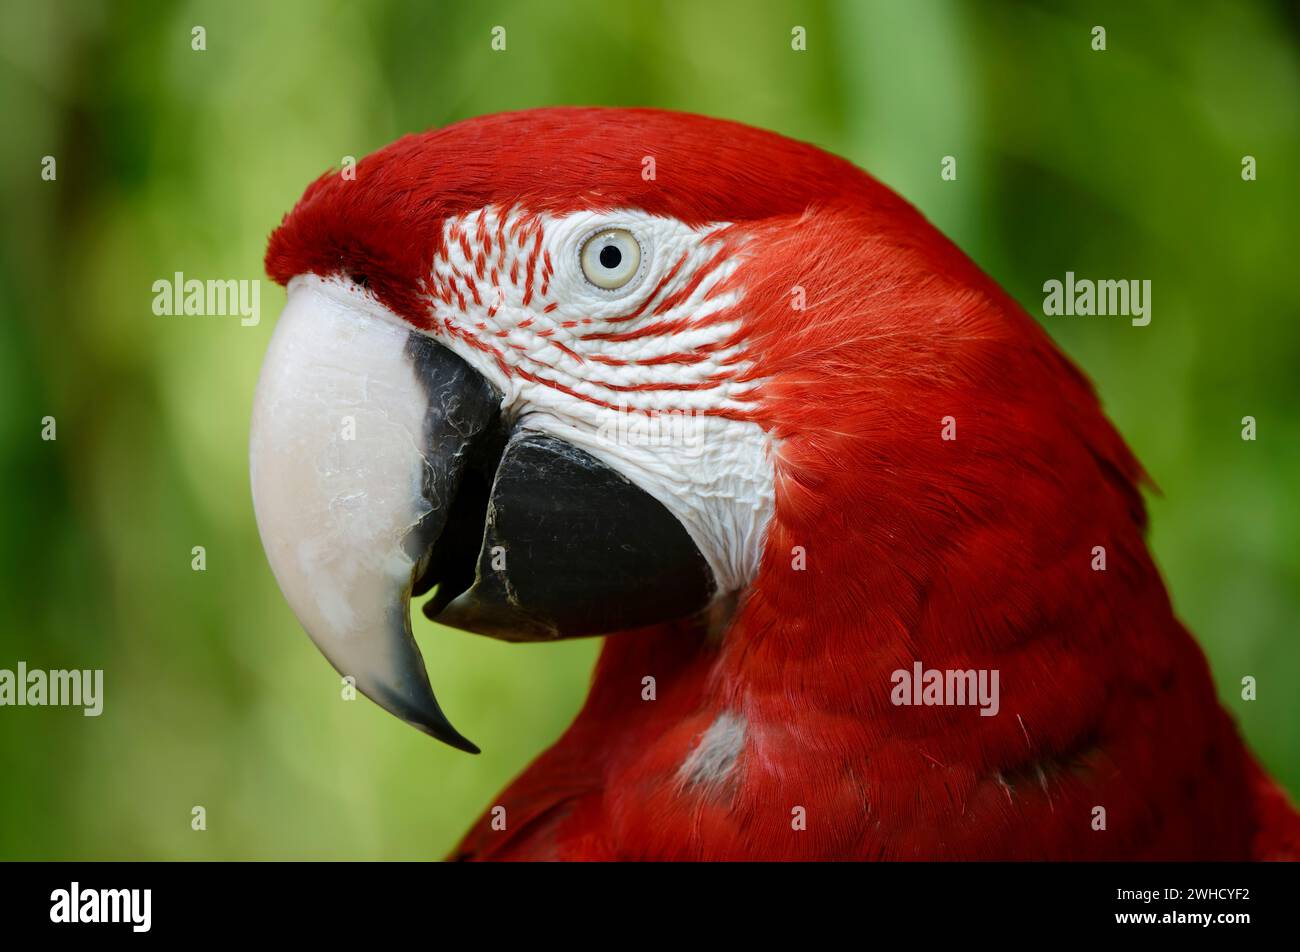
pixel 647 377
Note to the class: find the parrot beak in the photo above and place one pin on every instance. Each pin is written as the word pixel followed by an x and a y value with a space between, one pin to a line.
pixel 359 438
pixel 382 466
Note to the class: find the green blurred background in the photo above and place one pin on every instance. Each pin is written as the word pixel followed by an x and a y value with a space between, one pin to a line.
pixel 1123 163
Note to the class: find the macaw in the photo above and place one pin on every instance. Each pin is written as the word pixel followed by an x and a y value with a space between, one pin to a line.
pixel 727 400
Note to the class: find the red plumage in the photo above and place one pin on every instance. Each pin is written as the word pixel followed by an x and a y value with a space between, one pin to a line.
pixel 966 553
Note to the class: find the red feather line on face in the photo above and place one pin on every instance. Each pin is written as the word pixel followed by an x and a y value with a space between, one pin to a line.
pixel 583 345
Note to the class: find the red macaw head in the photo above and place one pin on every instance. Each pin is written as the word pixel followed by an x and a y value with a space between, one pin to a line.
pixel 592 370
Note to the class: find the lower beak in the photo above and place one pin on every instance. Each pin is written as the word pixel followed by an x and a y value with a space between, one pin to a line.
pixel 381 467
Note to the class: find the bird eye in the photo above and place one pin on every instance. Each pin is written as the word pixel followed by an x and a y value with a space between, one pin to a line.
pixel 610 258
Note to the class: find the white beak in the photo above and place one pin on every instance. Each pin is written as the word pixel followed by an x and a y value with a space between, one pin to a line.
pixel 348 493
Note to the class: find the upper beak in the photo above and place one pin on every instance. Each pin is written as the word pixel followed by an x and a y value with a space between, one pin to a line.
pixel 381 465
pixel 358 446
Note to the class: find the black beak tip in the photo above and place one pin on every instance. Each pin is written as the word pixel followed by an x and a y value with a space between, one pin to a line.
pixel 420 709
pixel 441 729
pixel 435 724
pixel 454 738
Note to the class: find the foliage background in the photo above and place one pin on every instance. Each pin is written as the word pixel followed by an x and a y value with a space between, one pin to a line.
pixel 1124 163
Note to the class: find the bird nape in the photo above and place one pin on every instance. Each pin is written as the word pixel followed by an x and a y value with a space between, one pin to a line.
pixel 835 498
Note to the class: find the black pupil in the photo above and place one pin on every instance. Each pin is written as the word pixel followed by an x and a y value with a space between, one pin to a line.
pixel 610 257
